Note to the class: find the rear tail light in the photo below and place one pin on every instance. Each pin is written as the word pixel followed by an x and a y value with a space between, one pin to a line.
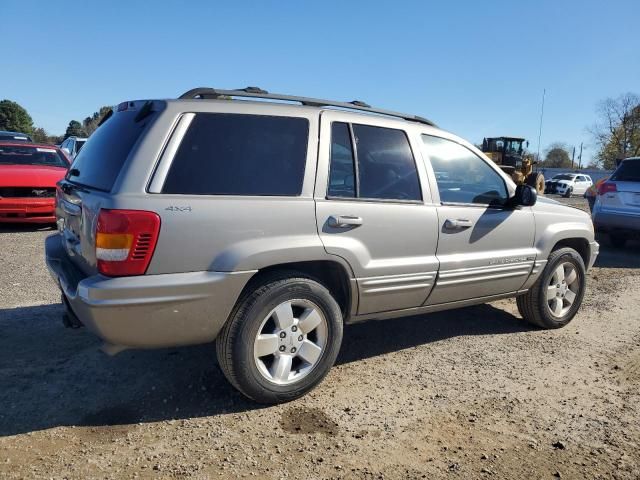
pixel 125 241
pixel 607 187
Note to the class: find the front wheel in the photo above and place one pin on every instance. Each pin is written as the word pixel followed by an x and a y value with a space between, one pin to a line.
pixel 282 340
pixel 536 180
pixel 568 192
pixel 555 298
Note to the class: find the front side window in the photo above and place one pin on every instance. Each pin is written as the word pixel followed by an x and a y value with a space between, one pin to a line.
pixel 386 169
pixel 461 175
pixel 232 154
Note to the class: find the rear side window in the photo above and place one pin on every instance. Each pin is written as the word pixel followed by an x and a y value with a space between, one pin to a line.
pixel 102 157
pixel 231 154
pixel 385 168
pixel 628 171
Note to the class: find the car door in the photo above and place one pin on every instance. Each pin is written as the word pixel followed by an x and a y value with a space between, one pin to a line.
pixel 484 248
pixel 373 210
pixel 583 184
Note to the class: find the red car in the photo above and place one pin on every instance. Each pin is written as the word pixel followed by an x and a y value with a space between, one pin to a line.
pixel 28 176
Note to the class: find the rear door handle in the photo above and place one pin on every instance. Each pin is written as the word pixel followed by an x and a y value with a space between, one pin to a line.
pixel 457 224
pixel 344 221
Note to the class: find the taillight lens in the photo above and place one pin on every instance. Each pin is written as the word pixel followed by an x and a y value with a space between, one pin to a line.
pixel 606 187
pixel 125 241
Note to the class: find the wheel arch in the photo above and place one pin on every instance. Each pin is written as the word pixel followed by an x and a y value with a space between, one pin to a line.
pixel 579 244
pixel 333 274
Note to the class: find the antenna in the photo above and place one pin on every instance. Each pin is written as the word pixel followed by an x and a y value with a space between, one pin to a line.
pixel 541 117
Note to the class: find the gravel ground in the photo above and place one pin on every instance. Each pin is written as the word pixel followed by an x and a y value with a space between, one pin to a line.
pixel 471 393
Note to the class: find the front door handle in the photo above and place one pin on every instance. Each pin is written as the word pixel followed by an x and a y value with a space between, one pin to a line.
pixel 344 221
pixel 457 224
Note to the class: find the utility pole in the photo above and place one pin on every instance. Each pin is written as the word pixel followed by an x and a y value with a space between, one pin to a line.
pixel 573 156
pixel 544 92
pixel 580 156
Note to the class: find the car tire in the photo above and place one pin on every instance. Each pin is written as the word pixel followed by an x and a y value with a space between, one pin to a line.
pixel 568 192
pixel 540 307
pixel 256 363
pixel 617 240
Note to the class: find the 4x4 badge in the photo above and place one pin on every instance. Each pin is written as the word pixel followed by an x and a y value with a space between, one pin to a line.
pixel 173 208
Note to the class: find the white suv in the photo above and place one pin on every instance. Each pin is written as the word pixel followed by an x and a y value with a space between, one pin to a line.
pixel 568 183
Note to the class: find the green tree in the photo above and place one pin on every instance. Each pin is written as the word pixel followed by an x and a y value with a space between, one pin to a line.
pixel 557 156
pixel 39 135
pixel 15 118
pixel 75 130
pixel 617 131
pixel 90 124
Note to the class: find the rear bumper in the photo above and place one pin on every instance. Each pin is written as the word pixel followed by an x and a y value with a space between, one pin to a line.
pixel 27 210
pixel 609 221
pixel 147 311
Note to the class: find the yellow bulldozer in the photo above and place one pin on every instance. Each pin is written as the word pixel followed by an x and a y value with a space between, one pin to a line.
pixel 509 154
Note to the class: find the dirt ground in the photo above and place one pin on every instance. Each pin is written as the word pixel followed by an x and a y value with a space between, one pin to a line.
pixel 471 393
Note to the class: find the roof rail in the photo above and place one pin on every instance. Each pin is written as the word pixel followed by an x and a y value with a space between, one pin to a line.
pixel 255 92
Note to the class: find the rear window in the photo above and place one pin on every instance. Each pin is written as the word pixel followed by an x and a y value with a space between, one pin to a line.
pixel 231 154
pixel 23 155
pixel 628 171
pixel 102 157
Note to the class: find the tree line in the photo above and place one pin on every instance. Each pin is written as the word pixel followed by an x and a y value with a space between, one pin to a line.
pixel 15 118
pixel 616 133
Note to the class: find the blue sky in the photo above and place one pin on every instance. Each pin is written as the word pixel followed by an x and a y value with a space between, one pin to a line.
pixel 475 68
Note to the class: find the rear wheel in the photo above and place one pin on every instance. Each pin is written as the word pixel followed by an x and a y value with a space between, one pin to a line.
pixel 555 298
pixel 281 340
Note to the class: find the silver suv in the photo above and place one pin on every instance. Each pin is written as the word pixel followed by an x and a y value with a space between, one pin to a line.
pixel 267 225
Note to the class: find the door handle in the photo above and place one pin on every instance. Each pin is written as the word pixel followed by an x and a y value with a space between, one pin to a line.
pixel 457 224
pixel 344 221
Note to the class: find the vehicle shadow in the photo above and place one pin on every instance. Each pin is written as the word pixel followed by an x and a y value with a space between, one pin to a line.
pixel 26 227
pixel 612 257
pixel 51 376
pixel 370 339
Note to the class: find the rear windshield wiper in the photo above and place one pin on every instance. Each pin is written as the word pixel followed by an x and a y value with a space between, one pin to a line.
pixel 144 112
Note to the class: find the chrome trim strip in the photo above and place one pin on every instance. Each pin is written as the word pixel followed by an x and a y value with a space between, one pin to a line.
pixel 394 283
pixel 475 279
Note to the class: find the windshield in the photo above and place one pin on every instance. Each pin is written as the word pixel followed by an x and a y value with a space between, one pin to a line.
pixel 628 171
pixel 23 155
pixel 563 177
pixel 513 147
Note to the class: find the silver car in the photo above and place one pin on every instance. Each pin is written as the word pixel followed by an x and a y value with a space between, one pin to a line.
pixel 267 225
pixel 616 210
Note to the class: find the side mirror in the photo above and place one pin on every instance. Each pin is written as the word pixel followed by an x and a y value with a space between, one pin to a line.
pixel 525 196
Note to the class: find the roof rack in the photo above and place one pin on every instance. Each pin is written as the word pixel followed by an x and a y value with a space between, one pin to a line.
pixel 255 92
